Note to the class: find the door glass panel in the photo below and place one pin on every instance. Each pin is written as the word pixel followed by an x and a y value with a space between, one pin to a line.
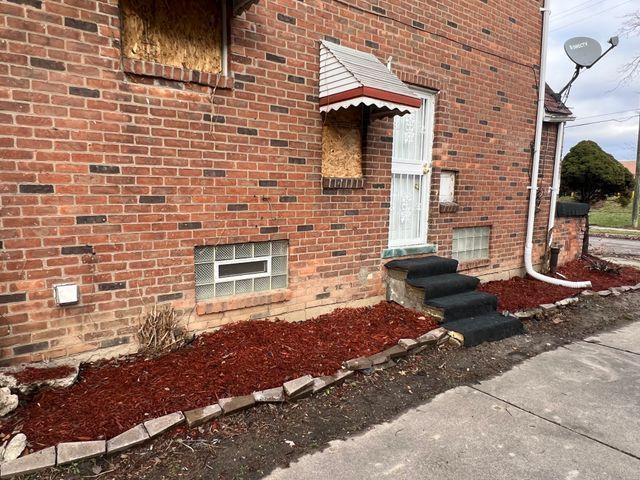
pixel 412 134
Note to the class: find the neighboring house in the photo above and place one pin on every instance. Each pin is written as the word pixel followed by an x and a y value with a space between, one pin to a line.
pixel 246 160
pixel 629 165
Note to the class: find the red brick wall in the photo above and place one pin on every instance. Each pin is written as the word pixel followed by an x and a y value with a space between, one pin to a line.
pixel 568 235
pixel 110 179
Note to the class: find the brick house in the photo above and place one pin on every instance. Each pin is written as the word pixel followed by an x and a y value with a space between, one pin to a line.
pixel 178 153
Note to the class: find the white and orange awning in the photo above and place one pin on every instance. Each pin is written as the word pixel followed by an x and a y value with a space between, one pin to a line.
pixel 351 78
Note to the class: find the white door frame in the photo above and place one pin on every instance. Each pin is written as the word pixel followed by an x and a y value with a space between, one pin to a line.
pixel 419 168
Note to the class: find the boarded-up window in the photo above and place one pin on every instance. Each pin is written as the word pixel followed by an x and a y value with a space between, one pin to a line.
pixel 184 33
pixel 342 144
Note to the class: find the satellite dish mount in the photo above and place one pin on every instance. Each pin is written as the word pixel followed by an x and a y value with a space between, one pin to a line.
pixel 585 52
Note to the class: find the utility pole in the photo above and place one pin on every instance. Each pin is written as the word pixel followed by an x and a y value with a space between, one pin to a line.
pixel 636 192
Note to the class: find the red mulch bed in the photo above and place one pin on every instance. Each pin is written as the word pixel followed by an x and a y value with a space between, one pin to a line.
pixel 235 360
pixel 519 294
pixel 33 375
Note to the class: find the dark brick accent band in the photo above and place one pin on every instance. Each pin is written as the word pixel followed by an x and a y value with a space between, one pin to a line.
pixel 36 188
pixel 275 58
pixel 268 183
pixel 13 298
pixel 278 109
pixel 77 250
pixel 46 63
pixel 207 117
pixel 304 228
pixel 297 161
pixel 167 297
pixel 105 287
pixel 190 226
pixel 30 3
pixel 245 78
pixel 279 143
pixel 237 207
pixel 215 173
pixel 286 19
pixel 89 219
pixel 30 348
pixel 153 199
pixel 339 253
pixel 110 169
pixel 288 199
pixel 84 92
pixel 80 24
pixel 265 230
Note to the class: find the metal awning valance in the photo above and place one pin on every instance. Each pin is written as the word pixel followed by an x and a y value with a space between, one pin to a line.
pixel 240 6
pixel 350 78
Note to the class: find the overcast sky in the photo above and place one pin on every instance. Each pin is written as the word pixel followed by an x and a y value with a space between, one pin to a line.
pixel 597 90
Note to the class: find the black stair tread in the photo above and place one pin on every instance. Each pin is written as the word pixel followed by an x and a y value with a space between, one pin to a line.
pixel 444 285
pixel 425 266
pixel 485 328
pixel 466 304
pixel 465 297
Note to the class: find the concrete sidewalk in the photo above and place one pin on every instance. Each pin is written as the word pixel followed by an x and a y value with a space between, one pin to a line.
pixel 573 413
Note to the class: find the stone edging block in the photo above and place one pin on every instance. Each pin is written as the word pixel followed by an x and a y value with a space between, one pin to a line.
pixel 132 437
pixel 235 404
pixel 298 387
pixel 270 395
pixel 198 416
pixel 69 452
pixel 161 424
pixel 29 463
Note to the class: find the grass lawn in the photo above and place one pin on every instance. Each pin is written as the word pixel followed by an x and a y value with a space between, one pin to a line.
pixel 611 214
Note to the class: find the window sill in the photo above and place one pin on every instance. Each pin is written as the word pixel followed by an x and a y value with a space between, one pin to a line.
pixel 237 302
pixel 342 183
pixel 406 251
pixel 448 207
pixel 471 264
pixel 168 72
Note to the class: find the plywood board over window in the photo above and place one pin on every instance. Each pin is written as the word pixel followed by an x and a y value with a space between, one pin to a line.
pixel 342 144
pixel 182 33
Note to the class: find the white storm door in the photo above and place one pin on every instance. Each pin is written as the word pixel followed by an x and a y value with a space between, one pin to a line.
pixel 411 175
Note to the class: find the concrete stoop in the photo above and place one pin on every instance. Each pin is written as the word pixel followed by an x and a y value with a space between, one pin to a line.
pixel 451 297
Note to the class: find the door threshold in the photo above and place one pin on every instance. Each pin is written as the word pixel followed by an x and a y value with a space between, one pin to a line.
pixel 406 251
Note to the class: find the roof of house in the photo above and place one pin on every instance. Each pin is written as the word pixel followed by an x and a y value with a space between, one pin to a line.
pixel 554 105
pixel 350 77
pixel 629 165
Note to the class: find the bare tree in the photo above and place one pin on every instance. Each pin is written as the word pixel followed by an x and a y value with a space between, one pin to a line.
pixel 631 28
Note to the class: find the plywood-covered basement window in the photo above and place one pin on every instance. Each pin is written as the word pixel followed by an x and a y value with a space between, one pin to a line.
pixel 342 147
pixel 179 33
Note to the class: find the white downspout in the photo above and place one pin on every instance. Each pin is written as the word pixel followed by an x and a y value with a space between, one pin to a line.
pixel 533 189
pixel 555 185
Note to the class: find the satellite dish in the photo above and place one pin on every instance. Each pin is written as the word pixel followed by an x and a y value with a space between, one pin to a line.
pixel 583 51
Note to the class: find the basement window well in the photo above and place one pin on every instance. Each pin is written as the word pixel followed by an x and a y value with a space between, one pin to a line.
pixel 242 268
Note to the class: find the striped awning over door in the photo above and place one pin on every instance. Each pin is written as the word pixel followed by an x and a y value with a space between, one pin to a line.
pixel 349 78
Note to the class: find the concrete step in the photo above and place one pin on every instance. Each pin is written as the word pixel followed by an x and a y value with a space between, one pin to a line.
pixel 461 305
pixel 485 328
pixel 424 267
pixel 444 285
